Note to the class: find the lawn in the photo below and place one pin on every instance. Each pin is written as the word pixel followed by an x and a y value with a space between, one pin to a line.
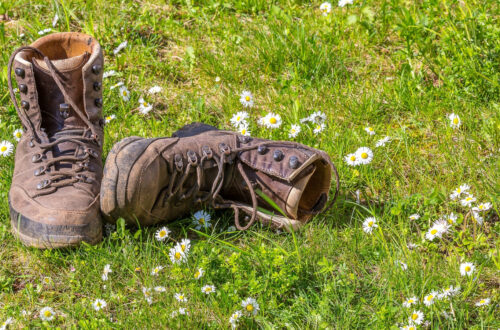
pixel 390 68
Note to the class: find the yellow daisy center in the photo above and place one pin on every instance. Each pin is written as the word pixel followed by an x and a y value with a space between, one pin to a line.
pixel 137 269
pixel 414 316
pixel 247 98
pixel 411 328
pixel 482 301
pixel 467 268
pixel 183 247
pixel 468 199
pixel 18 134
pixel 273 120
pixel 124 93
pixel 353 158
pixel 3 149
pixel 434 231
pixel 455 121
pixel 197 274
pixel 201 221
pixel 208 289
pixel 370 223
pixel 364 155
pixel 47 313
pixel 249 308
pixel 177 255
pixel 292 130
pixel 459 190
pixel 450 221
pixel 411 301
pixel 429 298
pixel 238 118
pixel 370 129
pixel 181 297
pixel 481 206
pixel 243 131
pixel 163 233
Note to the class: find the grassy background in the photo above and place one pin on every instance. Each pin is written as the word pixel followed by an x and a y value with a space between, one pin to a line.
pixel 398 66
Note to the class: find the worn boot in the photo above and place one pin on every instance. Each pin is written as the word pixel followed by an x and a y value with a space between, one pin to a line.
pixel 54 197
pixel 148 181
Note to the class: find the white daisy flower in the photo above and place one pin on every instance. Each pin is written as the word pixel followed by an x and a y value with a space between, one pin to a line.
pixel 22 35
pixel 201 219
pixel 243 130
pixel 382 142
pixel 182 311
pixel 184 245
pixel 410 326
pixel 217 79
pixel 235 317
pixel 106 271
pixel 483 302
pixel 250 305
pixel 6 323
pixel 46 280
pixel 144 107
pixel 160 288
pixel 271 120
pixel 109 118
pixel 370 130
pixel 410 301
pixel 156 270
pixel 177 256
pixel 325 8
pixel 180 297
pixel 99 304
pixel 294 131
pixel 416 317
pixel 118 84
pixel 47 314
pixel 467 268
pixel 246 99
pixel 239 118
pixel 199 273
pixel 482 207
pixel 120 47
pixel 125 94
pixel 364 155
pixel 319 128
pixel 454 120
pixel 438 229
pixel 342 3
pixel 369 225
pixel 208 289
pixel 108 74
pixel 55 20
pixel 402 265
pixel 318 117
pixel 147 294
pixel 468 200
pixel 458 191
pixel 162 234
pixel 429 299
pixel 155 90
pixel 352 159
pixel 477 218
pixel 44 31
pixel 449 291
pixel 451 218
pixel 18 133
pixel 6 148
pixel 415 216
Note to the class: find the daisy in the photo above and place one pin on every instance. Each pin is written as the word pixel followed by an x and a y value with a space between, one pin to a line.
pixel 55 20
pixel 370 130
pixel 416 317
pixel 147 294
pixel 250 305
pixel 325 8
pixel 180 297
pixel 118 84
pixel 156 270
pixel 449 291
pixel 433 233
pixel 99 304
pixel 144 107
pixel 201 220
pixel 415 216
pixel 271 120
pixel 483 302
pixel 184 245
pixel 105 272
pixel 160 289
pixel 182 311
pixel 177 256
pixel 6 323
pixel 294 131
pixel 6 148
pixel 109 118
pixel 199 273
pixel 208 289
pixel 468 200
pixel 217 79
pixel 46 280
pixel 235 317
pixel 411 246
pixel 383 142
pixel 47 314
pixel 467 268
pixel 410 301
pixel 18 133
pixel 365 155
pixel 482 207
pixel 44 31
pixel 162 234
pixel 239 118
pixel 120 47
pixel 319 128
pixel 243 130
pixel 342 3
pixel 246 99
pixel 429 299
pixel 409 327
pixel 124 93
pixel 155 90
pixel 317 117
pixel 458 191
pixel 402 265
pixel 369 224
pixel 352 160
pixel 454 120
pixel 477 218
pixel 108 74
pixel 451 218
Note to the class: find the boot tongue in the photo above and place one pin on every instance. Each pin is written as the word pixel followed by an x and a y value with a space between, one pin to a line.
pixel 50 97
pixel 295 195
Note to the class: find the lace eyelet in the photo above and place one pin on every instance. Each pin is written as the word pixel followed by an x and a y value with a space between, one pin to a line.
pixel 39 171
pixel 92 152
pixel 207 152
pixel 36 158
pixel 43 184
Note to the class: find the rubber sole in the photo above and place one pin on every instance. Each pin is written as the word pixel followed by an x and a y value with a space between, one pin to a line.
pixel 44 236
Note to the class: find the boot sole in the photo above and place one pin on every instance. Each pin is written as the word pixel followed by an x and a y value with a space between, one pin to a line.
pixel 44 236
pixel 116 174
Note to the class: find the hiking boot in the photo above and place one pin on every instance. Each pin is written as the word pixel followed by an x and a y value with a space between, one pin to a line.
pixel 54 197
pixel 148 181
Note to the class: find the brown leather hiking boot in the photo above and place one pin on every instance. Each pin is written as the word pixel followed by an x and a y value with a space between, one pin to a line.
pixel 157 180
pixel 54 197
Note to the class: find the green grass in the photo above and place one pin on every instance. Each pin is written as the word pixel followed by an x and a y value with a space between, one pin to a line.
pixel 398 66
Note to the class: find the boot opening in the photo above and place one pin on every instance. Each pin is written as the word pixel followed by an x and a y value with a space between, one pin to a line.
pixel 60 46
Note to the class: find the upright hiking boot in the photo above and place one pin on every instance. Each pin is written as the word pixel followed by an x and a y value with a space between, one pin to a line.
pixel 148 181
pixel 54 197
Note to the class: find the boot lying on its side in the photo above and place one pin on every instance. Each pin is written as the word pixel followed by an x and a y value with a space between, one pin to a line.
pixel 162 179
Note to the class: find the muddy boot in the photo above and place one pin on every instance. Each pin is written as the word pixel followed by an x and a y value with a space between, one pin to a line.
pixel 54 197
pixel 148 181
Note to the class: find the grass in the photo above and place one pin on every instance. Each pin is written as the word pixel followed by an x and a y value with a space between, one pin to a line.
pixel 398 66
